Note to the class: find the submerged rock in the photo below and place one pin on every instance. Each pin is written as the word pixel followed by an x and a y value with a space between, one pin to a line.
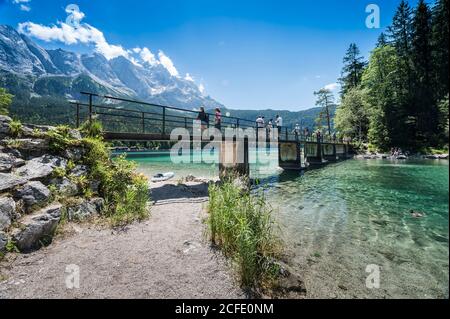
pixel 41 167
pixel 32 194
pixel 7 212
pixel 37 229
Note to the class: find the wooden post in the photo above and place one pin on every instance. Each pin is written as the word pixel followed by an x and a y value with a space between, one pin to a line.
pixel 164 121
pixel 143 122
pixel 90 107
pixel 78 115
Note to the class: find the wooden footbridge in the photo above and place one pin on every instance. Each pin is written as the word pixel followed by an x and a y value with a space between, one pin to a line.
pixel 130 120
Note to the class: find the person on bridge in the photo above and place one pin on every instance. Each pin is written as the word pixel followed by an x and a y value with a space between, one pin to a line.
pixel 203 118
pixel 260 122
pixel 218 119
pixel 279 123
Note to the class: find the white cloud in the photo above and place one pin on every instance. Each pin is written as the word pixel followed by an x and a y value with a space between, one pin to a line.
pixel 189 77
pixel 168 64
pixel 68 34
pixel 23 4
pixel 25 8
pixel 332 86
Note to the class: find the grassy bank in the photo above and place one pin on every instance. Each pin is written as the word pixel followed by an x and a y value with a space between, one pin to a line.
pixel 243 227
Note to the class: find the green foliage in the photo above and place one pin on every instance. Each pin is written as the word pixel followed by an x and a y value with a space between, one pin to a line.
pixel 243 226
pixel 5 101
pixel 15 128
pixel 325 99
pixel 92 128
pixel 60 139
pixel 352 115
pixel 125 192
pixel 59 172
pixel 353 69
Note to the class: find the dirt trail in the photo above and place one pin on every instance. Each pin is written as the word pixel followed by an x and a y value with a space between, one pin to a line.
pixel 166 256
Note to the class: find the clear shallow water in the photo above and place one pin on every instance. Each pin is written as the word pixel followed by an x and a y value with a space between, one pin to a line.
pixel 338 219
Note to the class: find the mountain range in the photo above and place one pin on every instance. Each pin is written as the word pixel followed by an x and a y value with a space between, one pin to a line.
pixel 43 80
pixel 27 67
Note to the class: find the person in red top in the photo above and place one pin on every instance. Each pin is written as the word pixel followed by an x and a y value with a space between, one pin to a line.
pixel 218 119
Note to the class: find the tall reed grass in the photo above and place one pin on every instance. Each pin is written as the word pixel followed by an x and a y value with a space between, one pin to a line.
pixel 243 227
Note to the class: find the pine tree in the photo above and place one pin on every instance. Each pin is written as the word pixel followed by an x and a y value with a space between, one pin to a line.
pixel 325 99
pixel 353 68
pixel 382 40
pixel 424 108
pixel 440 48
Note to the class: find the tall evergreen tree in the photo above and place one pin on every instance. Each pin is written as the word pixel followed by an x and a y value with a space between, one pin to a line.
pixel 424 110
pixel 353 68
pixel 325 99
pixel 382 40
pixel 440 48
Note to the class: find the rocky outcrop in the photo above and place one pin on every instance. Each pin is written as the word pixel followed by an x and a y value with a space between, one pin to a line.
pixel 3 241
pixel 32 194
pixel 41 168
pixel 7 212
pixel 37 229
pixel 86 209
pixel 32 147
pixel 4 125
pixel 65 186
pixel 8 181
pixel 8 162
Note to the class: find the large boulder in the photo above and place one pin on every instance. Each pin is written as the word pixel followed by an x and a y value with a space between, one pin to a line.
pixel 7 212
pixel 73 153
pixel 4 125
pixel 37 229
pixel 32 147
pixel 79 170
pixel 85 209
pixel 41 168
pixel 8 162
pixel 3 241
pixel 8 181
pixel 32 194
pixel 65 186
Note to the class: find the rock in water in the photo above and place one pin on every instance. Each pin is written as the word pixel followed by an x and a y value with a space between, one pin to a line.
pixel 7 211
pixel 33 194
pixel 37 229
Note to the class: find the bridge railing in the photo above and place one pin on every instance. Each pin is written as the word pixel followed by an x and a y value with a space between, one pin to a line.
pixel 120 115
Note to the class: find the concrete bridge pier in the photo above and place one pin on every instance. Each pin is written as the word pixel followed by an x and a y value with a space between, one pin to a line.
pixel 234 158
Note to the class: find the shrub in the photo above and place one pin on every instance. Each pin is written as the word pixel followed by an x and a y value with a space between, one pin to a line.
pixel 92 128
pixel 15 128
pixel 243 227
pixel 60 139
pixel 125 191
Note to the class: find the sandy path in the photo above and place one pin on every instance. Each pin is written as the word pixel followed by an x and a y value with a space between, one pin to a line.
pixel 164 257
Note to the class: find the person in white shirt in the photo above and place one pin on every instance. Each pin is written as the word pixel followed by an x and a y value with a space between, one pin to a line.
pixel 279 123
pixel 260 122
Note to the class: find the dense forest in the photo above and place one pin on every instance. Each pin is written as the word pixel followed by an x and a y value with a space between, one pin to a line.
pixel 400 96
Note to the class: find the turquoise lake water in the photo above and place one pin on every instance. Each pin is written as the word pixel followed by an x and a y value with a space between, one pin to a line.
pixel 339 219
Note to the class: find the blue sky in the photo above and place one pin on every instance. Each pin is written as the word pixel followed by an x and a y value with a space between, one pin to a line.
pixel 247 54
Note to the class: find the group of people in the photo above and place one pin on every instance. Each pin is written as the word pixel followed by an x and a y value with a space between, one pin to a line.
pixel 261 123
pixel 203 117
